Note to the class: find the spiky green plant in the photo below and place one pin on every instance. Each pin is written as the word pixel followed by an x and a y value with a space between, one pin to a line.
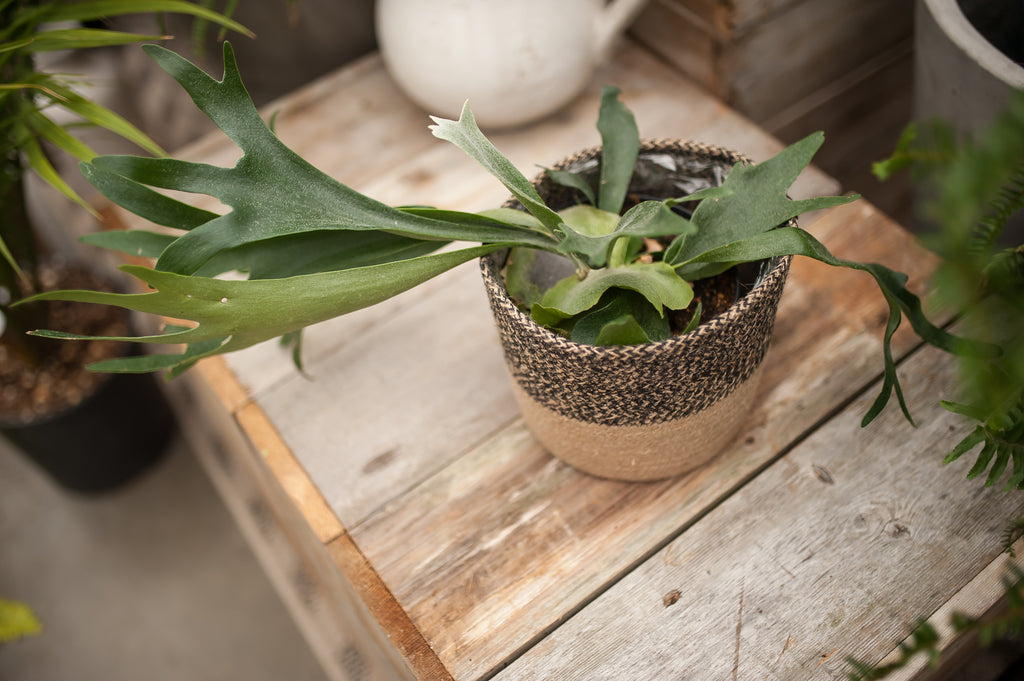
pixel 28 99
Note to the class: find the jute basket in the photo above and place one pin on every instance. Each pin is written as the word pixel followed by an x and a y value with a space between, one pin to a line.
pixel 650 411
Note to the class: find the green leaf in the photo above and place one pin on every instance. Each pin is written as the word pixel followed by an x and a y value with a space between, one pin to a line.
pixel 101 116
pixel 465 134
pixel 271 190
pixel 293 340
pixel 252 311
pixel 173 363
pixel 8 257
pixel 39 163
pixel 567 178
pixel 998 467
pixel 311 252
pixel 984 457
pixel 149 204
pixel 656 281
pixel 694 320
pixel 646 219
pixel 133 242
pixel 795 241
pixel 495 221
pixel 589 221
pixel 520 279
pixel 750 201
pixel 902 157
pixel 625 319
pixel 81 38
pixel 620 145
pixel 101 9
pixel 46 129
pixel 512 216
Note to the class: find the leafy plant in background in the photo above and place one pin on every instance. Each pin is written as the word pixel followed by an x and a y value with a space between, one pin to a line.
pixel 975 187
pixel 314 248
pixel 925 638
pixel 28 98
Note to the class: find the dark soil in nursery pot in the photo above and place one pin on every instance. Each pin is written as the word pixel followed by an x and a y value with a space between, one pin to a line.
pixel 91 432
pixel 714 294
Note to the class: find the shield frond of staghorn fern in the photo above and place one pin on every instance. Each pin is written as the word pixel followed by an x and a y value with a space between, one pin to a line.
pixel 314 248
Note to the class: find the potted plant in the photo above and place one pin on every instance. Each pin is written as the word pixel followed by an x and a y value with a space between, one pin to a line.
pixel 88 431
pixel 314 249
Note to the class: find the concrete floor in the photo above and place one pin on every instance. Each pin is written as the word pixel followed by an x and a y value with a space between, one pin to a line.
pixel 152 581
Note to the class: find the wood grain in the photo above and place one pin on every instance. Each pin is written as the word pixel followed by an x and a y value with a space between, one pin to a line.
pixel 833 551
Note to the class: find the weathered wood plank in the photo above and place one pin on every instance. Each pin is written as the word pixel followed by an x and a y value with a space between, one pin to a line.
pixel 983 596
pixel 809 47
pixel 345 638
pixel 506 542
pixel 394 415
pixel 832 552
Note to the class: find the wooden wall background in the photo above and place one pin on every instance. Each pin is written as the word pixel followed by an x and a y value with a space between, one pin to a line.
pixel 796 66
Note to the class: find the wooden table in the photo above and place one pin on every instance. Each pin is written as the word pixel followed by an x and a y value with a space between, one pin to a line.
pixel 418 532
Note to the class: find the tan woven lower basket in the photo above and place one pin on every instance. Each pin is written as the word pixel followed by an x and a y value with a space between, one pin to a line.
pixel 651 411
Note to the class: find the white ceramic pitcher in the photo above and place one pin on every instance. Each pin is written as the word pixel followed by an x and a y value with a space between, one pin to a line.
pixel 514 60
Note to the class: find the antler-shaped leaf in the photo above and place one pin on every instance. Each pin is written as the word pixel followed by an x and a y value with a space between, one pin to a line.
pixel 795 241
pixel 750 201
pixel 232 315
pixel 272 191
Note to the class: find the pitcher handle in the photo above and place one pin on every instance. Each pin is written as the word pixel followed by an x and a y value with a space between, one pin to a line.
pixel 612 21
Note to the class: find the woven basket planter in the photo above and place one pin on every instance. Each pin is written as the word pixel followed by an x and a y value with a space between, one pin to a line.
pixel 650 411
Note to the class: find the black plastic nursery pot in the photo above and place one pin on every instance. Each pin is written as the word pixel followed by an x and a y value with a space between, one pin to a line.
pixel 94 436
pixel 649 411
pixel 111 437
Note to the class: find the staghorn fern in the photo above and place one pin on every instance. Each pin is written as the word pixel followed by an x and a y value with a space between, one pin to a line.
pixel 314 248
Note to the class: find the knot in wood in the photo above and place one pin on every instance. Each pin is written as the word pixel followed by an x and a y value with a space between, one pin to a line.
pixel 896 529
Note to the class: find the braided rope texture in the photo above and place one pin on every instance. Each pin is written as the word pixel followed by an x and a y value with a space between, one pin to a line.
pixel 653 382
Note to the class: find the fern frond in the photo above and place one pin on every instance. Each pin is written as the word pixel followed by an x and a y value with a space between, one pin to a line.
pixel 1011 533
pixel 1008 200
pixel 923 639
